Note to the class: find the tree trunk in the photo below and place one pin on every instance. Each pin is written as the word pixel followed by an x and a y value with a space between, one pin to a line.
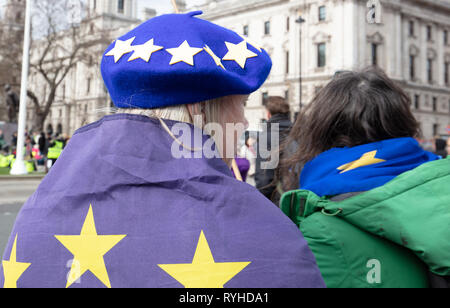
pixel 39 120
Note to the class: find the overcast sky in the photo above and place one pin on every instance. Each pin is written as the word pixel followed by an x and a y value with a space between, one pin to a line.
pixel 161 6
pixel 164 6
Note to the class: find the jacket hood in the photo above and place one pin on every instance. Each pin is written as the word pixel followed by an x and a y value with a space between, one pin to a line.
pixel 412 211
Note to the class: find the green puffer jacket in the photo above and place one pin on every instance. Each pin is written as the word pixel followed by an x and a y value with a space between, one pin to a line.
pixel 389 237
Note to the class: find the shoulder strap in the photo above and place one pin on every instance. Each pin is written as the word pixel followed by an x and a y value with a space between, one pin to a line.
pixel 299 204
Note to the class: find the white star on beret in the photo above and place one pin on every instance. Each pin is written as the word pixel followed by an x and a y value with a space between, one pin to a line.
pixel 144 51
pixel 121 48
pixel 183 53
pixel 239 53
pixel 253 43
pixel 213 55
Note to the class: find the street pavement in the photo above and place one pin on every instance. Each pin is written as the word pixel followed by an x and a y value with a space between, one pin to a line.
pixel 13 194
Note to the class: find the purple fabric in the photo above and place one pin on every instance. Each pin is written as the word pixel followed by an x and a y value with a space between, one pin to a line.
pixel 243 166
pixel 123 167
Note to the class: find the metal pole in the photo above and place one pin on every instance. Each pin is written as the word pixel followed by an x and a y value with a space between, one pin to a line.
pixel 19 167
pixel 300 21
pixel 300 72
pixel 175 7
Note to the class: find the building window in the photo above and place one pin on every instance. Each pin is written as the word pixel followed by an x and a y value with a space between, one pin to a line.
pixel 374 54
pixel 265 98
pixel 417 102
pixel 430 70
pixel 288 21
pixel 287 62
pixel 446 72
pixel 245 30
pixel 429 33
pixel 411 28
pixel 435 129
pixel 121 6
pixel 322 13
pixel 267 28
pixel 321 55
pixel 88 86
pixel 445 37
pixel 286 95
pixel 434 104
pixel 412 67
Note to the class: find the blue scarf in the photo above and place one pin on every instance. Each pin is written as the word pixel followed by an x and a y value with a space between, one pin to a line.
pixel 362 168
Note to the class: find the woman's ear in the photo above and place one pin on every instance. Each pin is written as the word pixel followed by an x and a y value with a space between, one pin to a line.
pixel 197 110
pixel 190 109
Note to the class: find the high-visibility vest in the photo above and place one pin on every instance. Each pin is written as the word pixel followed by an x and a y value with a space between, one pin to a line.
pixel 55 151
pixel 4 161
pixel 28 164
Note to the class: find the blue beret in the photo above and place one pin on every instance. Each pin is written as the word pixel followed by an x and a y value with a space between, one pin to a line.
pixel 178 59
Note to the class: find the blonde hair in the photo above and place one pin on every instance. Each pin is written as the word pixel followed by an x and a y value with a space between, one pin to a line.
pixel 212 109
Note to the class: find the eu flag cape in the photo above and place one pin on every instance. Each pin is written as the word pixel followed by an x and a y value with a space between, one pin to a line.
pixel 118 210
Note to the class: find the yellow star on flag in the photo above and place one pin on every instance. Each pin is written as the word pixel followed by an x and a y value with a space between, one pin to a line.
pixel 213 55
pixel 183 53
pixel 366 160
pixel 12 269
pixel 239 53
pixel 121 48
pixel 88 249
pixel 144 51
pixel 204 272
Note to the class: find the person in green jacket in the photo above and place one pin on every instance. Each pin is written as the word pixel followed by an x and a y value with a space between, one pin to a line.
pixel 372 204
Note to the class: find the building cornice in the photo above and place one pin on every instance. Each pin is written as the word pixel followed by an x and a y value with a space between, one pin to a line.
pixel 435 5
pixel 421 10
pixel 232 8
pixel 429 112
pixel 423 87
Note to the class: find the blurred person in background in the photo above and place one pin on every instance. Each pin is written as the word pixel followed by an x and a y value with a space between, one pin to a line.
pixel 2 140
pixel 248 152
pixel 43 145
pixel 278 115
pixel 439 147
pixel 448 145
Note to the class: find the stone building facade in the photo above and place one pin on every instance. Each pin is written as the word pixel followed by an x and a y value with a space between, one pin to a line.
pixel 82 97
pixel 11 29
pixel 408 39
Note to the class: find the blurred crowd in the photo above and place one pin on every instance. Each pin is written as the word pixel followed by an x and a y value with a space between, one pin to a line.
pixel 41 150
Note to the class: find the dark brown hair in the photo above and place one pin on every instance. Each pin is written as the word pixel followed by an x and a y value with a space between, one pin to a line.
pixel 277 105
pixel 355 108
